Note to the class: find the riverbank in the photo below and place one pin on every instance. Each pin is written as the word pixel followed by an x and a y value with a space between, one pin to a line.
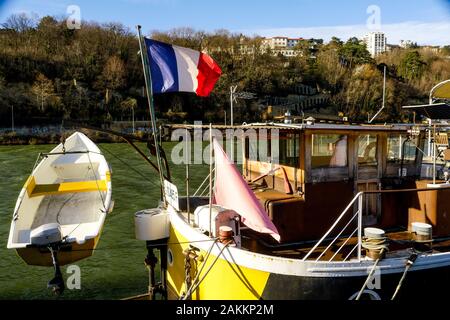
pixel 13 139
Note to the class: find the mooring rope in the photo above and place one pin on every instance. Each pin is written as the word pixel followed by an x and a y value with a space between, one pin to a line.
pixel 189 289
pixel 375 243
pixel 196 285
pixel 412 258
pixel 130 167
pixel 149 246
pixel 370 274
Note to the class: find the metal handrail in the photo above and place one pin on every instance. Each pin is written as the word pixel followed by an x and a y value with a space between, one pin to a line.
pixel 336 222
pixel 359 197
pixel 345 242
pixel 201 185
pixel 338 236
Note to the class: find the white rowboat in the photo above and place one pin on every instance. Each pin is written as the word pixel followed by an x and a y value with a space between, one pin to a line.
pixel 63 203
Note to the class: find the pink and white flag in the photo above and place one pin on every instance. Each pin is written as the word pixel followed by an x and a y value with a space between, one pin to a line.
pixel 232 192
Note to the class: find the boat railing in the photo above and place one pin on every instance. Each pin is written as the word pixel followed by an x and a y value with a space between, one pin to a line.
pixel 203 187
pixel 358 198
pixel 356 217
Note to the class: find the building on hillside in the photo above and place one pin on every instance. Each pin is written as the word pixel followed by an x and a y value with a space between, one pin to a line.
pixel 405 44
pixel 391 47
pixel 281 45
pixel 433 49
pixel 375 42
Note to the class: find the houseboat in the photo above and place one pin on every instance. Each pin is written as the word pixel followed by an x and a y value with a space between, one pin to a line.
pixel 356 215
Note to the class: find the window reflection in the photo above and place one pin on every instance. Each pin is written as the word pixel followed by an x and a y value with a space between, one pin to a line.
pixel 289 150
pixel 367 149
pixel 329 150
pixel 399 145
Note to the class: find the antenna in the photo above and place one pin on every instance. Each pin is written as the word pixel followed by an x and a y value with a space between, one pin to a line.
pixel 384 95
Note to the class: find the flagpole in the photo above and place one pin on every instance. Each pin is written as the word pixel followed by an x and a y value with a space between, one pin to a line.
pixel 149 90
pixel 210 177
pixel 188 158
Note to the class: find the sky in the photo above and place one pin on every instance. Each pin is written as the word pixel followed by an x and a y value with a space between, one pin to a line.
pixel 422 21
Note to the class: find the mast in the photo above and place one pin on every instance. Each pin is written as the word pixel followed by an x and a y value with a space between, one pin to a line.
pixel 149 90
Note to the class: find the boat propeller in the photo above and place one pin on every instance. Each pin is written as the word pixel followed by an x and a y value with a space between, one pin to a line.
pixel 57 283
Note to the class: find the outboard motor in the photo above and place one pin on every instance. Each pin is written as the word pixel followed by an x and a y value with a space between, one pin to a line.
pixel 50 236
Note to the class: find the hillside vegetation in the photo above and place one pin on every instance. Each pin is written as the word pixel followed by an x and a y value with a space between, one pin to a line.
pixel 49 73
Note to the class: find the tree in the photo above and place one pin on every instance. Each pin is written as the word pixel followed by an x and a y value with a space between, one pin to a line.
pixel 446 50
pixel 49 34
pixel 83 66
pixel 412 65
pixel 113 76
pixel 354 52
pixel 330 68
pixel 19 22
pixel 129 104
pixel 335 41
pixel 42 88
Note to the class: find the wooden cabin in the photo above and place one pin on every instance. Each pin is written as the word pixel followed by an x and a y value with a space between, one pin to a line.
pixel 324 165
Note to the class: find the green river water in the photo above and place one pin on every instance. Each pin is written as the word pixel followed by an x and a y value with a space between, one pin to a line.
pixel 116 270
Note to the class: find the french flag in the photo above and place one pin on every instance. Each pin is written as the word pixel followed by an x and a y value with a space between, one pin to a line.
pixel 175 69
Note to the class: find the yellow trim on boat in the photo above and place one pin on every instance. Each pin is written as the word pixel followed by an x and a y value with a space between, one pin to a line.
pixel 225 280
pixel 35 190
pixel 29 185
pixel 108 176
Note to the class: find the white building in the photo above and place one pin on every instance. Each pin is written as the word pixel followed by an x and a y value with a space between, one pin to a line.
pixel 406 44
pixel 283 45
pixel 375 42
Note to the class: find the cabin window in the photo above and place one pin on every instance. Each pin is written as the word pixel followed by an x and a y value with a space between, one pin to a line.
pixel 367 150
pixel 287 146
pixel 329 150
pixel 289 150
pixel 400 146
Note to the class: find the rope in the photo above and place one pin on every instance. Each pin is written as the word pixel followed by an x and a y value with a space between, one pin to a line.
pixel 187 269
pixel 196 285
pixel 242 276
pixel 63 205
pixel 375 244
pixel 370 275
pixel 57 216
pixel 96 182
pixel 409 264
pixel 130 167
pixel 36 162
pixel 149 246
pixel 189 288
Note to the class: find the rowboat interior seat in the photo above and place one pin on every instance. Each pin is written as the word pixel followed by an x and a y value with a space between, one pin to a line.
pixel 73 166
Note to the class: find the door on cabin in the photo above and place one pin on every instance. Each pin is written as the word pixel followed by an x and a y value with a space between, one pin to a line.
pixel 367 175
pixel 371 203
